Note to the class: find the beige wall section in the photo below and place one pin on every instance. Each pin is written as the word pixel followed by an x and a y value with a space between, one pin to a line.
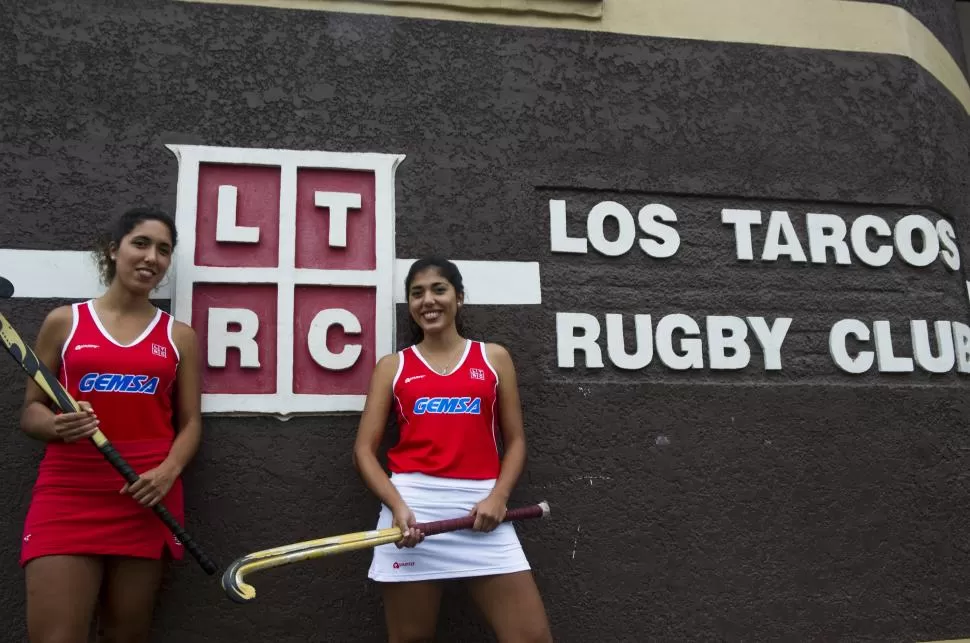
pixel 839 25
pixel 585 8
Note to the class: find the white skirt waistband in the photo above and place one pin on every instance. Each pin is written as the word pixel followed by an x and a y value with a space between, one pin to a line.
pixel 421 480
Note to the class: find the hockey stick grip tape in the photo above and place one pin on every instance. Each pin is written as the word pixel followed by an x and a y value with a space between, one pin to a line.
pixel 540 510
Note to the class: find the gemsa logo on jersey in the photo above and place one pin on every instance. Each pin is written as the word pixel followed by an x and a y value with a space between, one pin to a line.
pixel 448 405
pixel 286 273
pixel 118 383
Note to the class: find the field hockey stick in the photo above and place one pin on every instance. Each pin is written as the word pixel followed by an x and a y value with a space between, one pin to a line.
pixel 235 586
pixel 48 383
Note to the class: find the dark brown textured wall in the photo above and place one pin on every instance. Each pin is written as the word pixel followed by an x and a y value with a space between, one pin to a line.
pixel 805 504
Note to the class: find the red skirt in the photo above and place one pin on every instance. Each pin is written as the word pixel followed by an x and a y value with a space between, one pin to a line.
pixel 76 508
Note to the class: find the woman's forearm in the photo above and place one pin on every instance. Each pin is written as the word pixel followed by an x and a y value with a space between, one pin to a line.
pixel 37 421
pixel 185 446
pixel 513 463
pixel 376 479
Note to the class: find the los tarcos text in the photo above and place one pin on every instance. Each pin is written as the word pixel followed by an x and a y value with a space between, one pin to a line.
pixel 723 342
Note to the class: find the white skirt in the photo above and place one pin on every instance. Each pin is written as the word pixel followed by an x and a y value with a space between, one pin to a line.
pixel 457 554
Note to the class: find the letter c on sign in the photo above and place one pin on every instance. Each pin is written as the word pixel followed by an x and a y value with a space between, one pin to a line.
pixel 317 339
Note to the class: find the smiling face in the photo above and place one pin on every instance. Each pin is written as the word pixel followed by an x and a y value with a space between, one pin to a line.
pixel 143 256
pixel 433 301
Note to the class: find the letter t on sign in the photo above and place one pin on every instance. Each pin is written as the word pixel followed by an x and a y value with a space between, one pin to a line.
pixel 338 203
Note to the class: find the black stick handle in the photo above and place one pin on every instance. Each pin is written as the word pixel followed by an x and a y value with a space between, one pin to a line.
pixel 119 463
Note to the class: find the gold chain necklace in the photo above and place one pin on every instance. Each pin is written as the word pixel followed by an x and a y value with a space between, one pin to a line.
pixel 448 368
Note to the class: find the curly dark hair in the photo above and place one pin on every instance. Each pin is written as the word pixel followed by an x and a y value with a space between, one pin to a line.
pixel 111 239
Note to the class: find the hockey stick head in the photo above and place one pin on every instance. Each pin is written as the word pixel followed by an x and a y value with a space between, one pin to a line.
pixel 234 579
pixel 6 288
pixel 238 590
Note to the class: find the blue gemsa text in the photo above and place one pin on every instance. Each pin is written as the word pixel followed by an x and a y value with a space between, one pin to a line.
pixel 447 405
pixel 118 383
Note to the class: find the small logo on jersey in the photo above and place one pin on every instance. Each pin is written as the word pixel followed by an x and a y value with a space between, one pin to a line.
pixel 448 405
pixel 476 373
pixel 80 346
pixel 27 538
pixel 118 383
pixel 161 351
pixel 397 565
pixel 413 377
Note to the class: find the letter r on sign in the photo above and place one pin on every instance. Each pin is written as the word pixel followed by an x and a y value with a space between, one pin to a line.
pixel 221 339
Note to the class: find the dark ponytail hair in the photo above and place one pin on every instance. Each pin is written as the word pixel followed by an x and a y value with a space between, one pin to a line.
pixel 125 224
pixel 449 271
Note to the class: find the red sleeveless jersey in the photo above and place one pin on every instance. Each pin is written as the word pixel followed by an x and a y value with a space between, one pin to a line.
pixel 448 423
pixel 129 386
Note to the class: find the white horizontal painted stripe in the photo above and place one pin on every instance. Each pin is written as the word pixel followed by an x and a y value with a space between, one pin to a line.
pixel 58 274
pixel 72 274
pixel 282 405
pixel 487 282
